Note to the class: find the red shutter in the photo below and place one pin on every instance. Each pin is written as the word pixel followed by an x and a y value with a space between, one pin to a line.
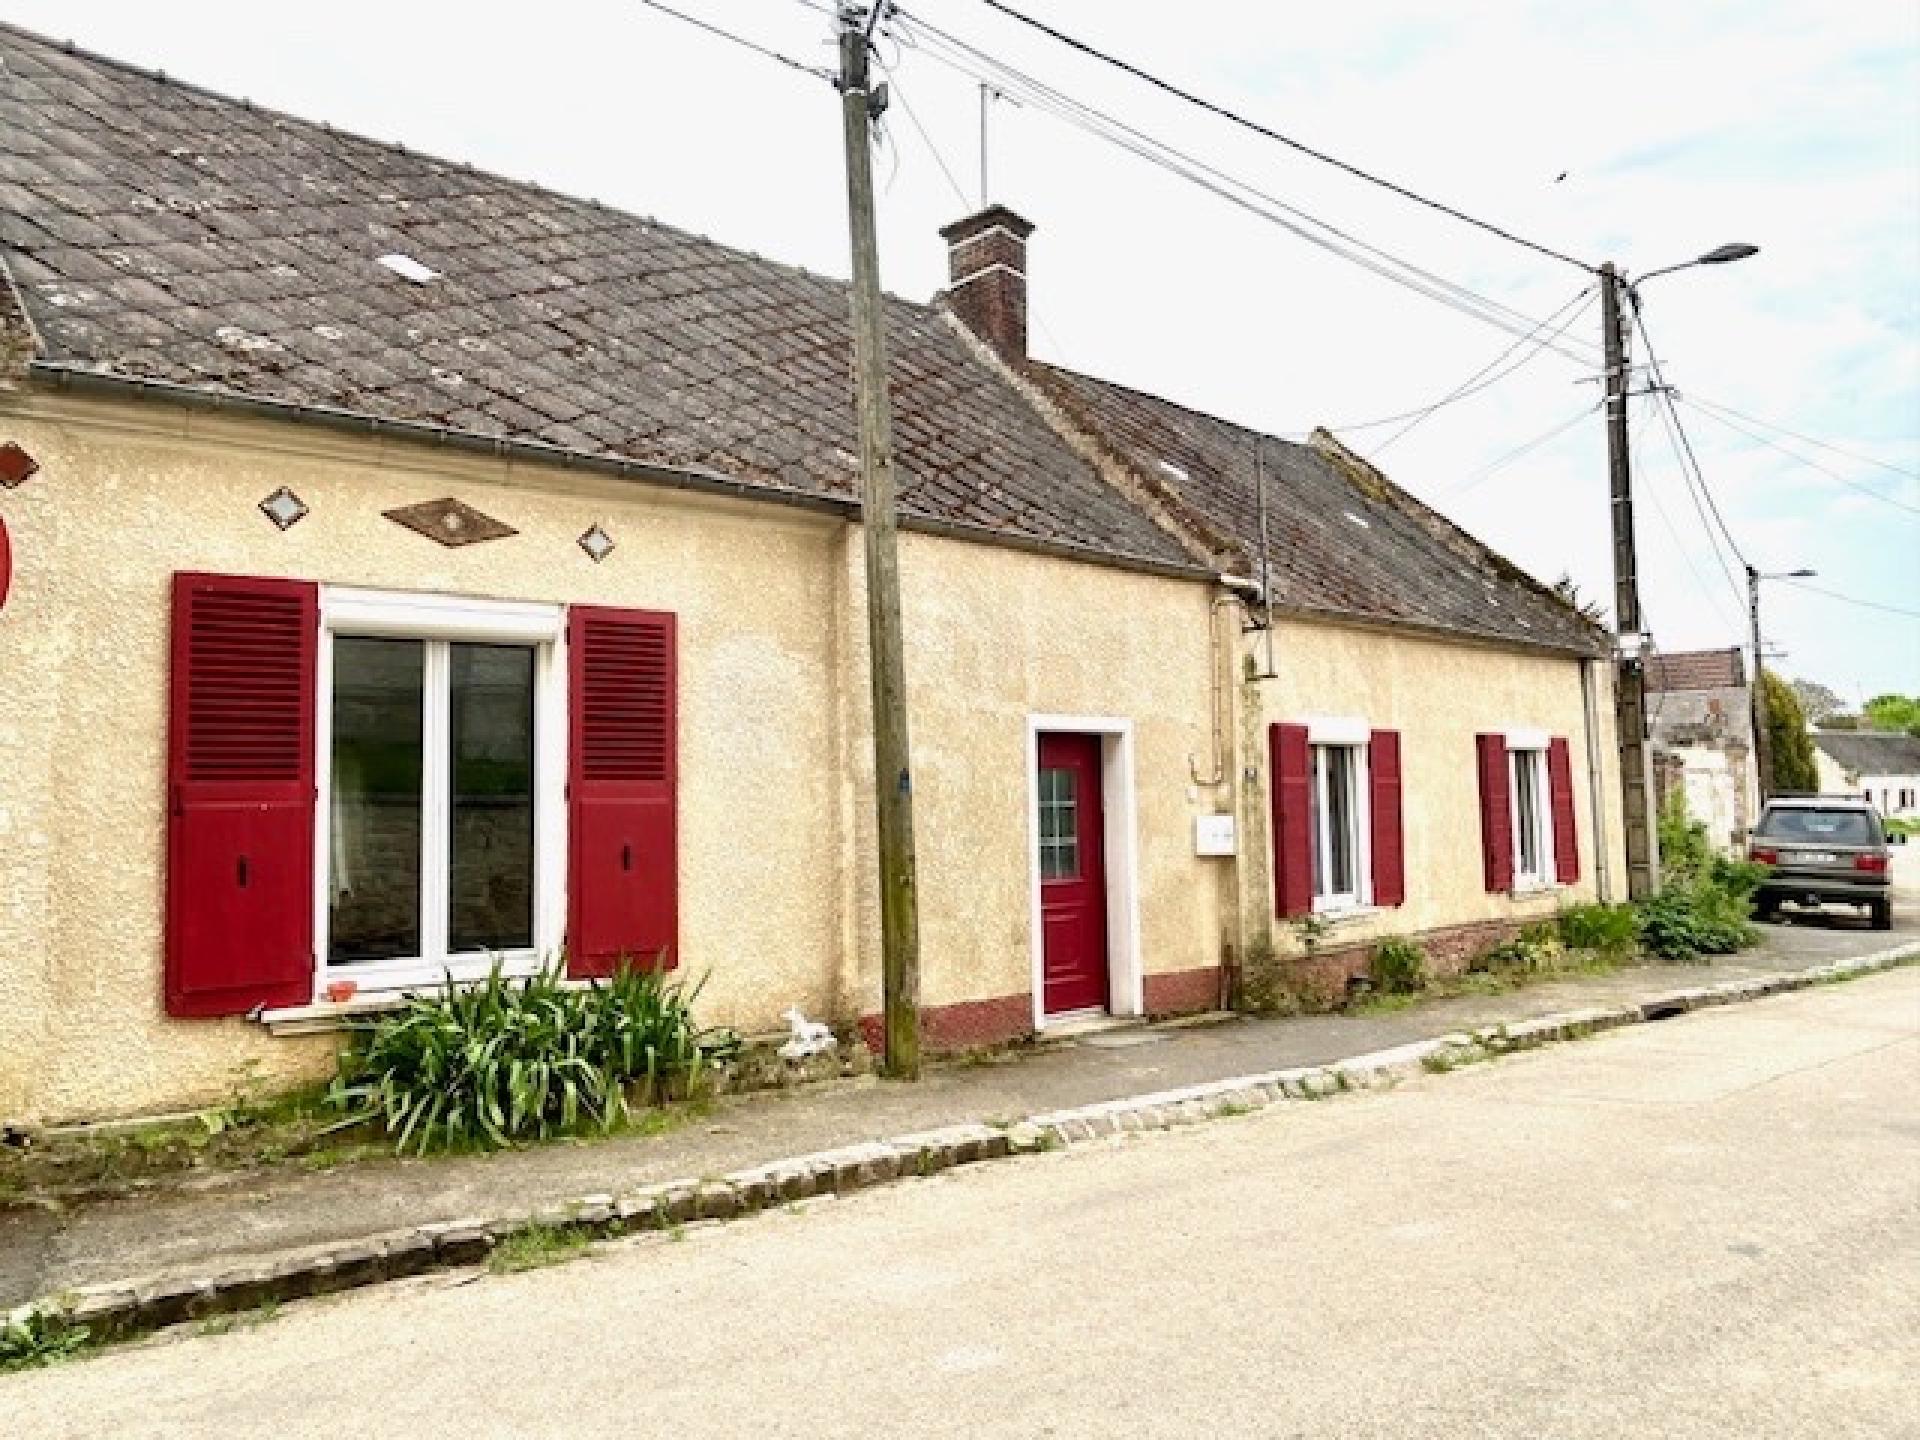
pixel 1389 849
pixel 623 862
pixel 1566 838
pixel 1290 773
pixel 240 794
pixel 1496 813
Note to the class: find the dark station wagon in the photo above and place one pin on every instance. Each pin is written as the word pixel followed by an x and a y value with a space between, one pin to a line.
pixel 1820 850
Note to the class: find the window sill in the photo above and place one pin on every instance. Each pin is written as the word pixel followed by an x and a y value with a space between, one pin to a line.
pixel 1537 888
pixel 322 1016
pixel 1349 914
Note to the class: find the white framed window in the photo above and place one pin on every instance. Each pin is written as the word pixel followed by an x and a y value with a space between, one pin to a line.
pixel 1342 860
pixel 440 832
pixel 1532 813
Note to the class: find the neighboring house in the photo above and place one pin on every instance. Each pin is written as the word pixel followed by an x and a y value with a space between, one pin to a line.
pixel 415 570
pixel 1700 710
pixel 1880 767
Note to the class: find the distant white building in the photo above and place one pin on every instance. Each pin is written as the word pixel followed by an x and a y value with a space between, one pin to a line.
pixel 1701 714
pixel 1881 767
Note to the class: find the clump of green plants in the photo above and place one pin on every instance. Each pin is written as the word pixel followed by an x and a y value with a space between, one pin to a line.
pixel 36 1337
pixel 1399 966
pixel 1705 906
pixel 483 1066
pixel 1694 918
pixel 535 1247
pixel 1536 949
pixel 1609 931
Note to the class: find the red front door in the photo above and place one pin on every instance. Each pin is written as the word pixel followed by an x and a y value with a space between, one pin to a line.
pixel 1073 875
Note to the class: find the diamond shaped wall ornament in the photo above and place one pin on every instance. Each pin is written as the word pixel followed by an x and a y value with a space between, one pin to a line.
pixel 450 521
pixel 284 508
pixel 16 465
pixel 597 543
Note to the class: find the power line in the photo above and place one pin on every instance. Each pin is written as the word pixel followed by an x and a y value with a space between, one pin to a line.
pixel 1708 592
pixel 1692 460
pixel 1518 452
pixel 817 71
pixel 1700 504
pixel 1853 455
pixel 927 140
pixel 1711 413
pixel 1469 387
pixel 1851 600
pixel 1257 128
pixel 968 59
pixel 979 65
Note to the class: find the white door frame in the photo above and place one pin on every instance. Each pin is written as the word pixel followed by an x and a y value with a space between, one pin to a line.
pixel 1126 983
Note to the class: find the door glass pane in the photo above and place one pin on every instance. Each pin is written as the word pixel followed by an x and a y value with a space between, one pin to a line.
pixel 373 870
pixel 1340 813
pixel 1059 825
pixel 490 846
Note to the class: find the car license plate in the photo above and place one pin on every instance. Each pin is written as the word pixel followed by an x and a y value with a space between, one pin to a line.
pixel 1816 857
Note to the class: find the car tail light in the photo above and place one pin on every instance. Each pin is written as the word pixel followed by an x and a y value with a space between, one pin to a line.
pixel 1872 864
pixel 1764 854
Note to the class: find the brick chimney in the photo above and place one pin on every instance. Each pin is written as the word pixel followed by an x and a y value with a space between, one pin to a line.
pixel 987 262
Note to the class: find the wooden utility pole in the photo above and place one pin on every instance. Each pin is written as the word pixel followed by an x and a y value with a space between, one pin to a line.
pixel 892 768
pixel 1757 697
pixel 1630 677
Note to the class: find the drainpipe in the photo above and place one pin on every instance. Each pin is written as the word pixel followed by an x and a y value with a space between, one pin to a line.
pixel 1603 861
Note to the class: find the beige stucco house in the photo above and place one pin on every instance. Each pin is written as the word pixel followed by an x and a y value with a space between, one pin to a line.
pixel 407 570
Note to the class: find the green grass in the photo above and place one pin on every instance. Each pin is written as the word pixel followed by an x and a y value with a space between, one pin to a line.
pixel 40 1338
pixel 239 1320
pixel 535 1247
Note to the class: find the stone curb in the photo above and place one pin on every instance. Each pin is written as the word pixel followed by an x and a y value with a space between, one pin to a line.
pixel 126 1308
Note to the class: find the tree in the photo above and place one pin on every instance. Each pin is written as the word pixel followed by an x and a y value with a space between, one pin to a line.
pixel 1787 736
pixel 1816 700
pixel 1895 712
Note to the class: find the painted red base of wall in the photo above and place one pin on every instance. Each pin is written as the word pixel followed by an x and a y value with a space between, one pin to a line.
pixel 977 1024
pixel 1184 992
pixel 969 1025
pixel 1449 951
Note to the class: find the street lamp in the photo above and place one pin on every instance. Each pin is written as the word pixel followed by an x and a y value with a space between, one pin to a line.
pixel 1630 691
pixel 1756 702
pixel 1719 255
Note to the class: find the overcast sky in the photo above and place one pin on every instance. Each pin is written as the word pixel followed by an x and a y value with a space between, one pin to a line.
pixel 1643 133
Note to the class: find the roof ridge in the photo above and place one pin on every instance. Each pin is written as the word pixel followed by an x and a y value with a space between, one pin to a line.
pixel 1419 510
pixel 1163 503
pixel 1180 405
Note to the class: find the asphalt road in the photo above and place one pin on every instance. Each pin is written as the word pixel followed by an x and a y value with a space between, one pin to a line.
pixel 1709 1226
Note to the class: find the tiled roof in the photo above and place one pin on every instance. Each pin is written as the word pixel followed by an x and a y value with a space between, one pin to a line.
pixel 1870 752
pixel 1341 537
pixel 1697 670
pixel 159 232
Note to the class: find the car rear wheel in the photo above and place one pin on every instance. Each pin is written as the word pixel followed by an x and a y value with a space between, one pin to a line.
pixel 1765 908
pixel 1880 914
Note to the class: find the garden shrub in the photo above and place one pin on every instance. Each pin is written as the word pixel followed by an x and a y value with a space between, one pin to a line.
pixel 1697 917
pixel 1536 948
pixel 1705 906
pixel 505 1060
pixel 1608 930
pixel 1399 966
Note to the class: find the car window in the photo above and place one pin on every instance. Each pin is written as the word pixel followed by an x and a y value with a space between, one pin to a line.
pixel 1832 827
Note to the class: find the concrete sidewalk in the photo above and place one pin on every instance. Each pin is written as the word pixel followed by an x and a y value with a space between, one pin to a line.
pixel 212 1224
